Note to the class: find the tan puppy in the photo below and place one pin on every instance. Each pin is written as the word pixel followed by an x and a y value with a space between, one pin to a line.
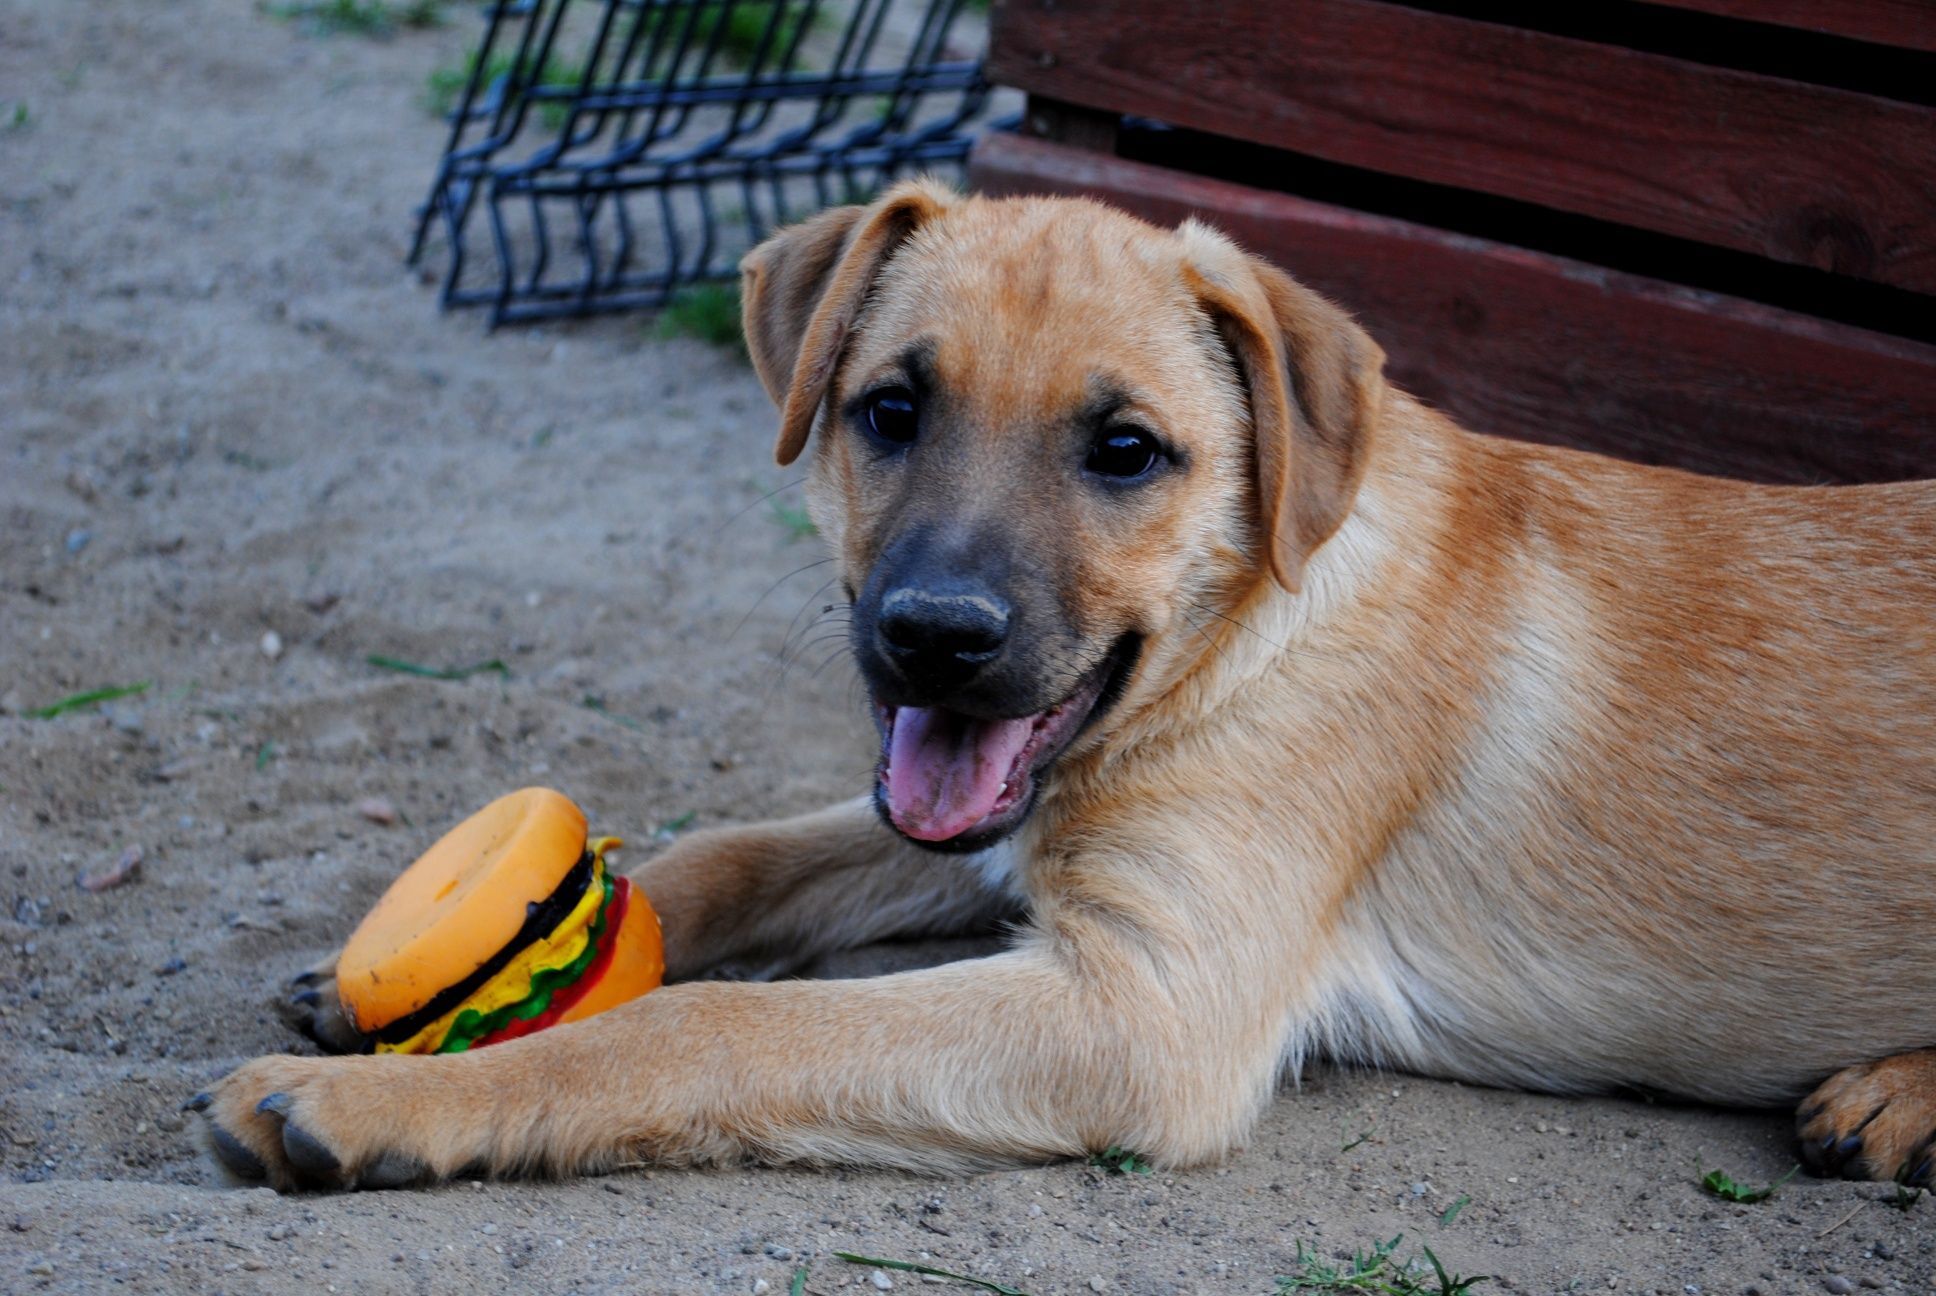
pixel 1295 719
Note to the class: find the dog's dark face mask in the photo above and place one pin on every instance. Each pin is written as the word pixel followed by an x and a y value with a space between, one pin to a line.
pixel 983 660
pixel 1033 458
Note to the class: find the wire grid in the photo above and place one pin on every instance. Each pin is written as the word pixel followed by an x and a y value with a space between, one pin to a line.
pixel 617 150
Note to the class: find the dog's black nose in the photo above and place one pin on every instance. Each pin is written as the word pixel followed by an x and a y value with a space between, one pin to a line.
pixel 942 638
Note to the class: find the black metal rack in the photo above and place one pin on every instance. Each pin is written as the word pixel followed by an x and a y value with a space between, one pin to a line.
pixel 617 150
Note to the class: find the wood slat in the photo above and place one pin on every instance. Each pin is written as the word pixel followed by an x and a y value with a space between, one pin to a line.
pixel 1908 24
pixel 1801 173
pixel 1533 346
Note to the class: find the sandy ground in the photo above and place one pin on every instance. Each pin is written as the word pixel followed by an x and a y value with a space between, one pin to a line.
pixel 226 410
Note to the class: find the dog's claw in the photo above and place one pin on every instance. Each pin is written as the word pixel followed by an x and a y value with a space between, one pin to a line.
pixel 276 1104
pixel 309 1155
pixel 302 979
pixel 200 1102
pixel 307 998
pixel 230 1151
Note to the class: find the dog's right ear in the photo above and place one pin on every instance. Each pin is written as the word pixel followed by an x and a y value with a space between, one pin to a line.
pixel 802 290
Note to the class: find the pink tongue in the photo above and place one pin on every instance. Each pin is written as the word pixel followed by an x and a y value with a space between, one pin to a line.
pixel 945 771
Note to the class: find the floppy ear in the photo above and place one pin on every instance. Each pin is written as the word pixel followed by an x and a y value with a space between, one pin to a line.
pixel 1316 382
pixel 802 290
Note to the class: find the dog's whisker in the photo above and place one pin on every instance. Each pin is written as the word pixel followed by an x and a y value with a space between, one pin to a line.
pixel 813 629
pixel 741 625
pixel 1203 634
pixel 740 513
pixel 1281 647
pixel 793 625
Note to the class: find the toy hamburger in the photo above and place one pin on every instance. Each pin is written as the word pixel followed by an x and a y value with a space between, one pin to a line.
pixel 510 923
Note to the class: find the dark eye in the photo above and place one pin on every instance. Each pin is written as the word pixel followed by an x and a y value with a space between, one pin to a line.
pixel 1124 453
pixel 891 415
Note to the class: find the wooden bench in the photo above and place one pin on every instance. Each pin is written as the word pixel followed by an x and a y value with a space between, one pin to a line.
pixel 1700 233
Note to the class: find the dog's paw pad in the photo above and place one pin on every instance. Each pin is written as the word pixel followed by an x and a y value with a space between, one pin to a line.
pixel 312 1009
pixel 235 1155
pixel 1874 1121
pixel 392 1170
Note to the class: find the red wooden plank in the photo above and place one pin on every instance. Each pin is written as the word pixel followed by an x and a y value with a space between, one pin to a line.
pixel 1533 346
pixel 1808 174
pixel 1910 24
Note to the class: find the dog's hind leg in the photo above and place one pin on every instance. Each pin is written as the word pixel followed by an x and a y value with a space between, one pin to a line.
pixel 777 895
pixel 1874 1121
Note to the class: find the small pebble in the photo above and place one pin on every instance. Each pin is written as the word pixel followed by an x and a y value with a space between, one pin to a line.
pixel 271 645
pixel 77 540
pixel 1035 1210
pixel 1883 1251
pixel 881 1281
pixel 377 810
pixel 1097 1283
pixel 41 1268
pixel 125 869
pixel 778 1252
pixel 761 1286
pixel 1838 1284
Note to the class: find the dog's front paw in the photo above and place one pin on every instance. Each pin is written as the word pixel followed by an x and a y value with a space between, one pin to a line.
pixel 309 1005
pixel 307 1123
pixel 1874 1121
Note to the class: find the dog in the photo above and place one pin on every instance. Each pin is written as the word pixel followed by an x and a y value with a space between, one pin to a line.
pixel 1282 716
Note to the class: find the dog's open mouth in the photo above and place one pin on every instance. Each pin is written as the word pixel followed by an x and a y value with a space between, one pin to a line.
pixel 959 782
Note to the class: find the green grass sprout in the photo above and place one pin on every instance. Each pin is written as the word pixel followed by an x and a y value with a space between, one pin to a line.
pixel 1117 1159
pixel 671 828
pixel 794 520
pixel 1452 1211
pixel 1718 1183
pixel 908 1266
pixel 798 1286
pixel 401 667
pixel 93 697
pixel 445 85
pixel 706 311
pixel 360 17
pixel 263 755
pixel 593 702
pixel 1375 1271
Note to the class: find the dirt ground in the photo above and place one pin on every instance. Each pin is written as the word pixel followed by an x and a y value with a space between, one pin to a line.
pixel 226 411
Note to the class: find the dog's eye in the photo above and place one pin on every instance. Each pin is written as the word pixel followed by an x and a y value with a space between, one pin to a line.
pixel 1123 452
pixel 891 415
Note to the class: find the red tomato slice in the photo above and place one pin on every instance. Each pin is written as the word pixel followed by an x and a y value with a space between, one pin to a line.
pixel 562 1001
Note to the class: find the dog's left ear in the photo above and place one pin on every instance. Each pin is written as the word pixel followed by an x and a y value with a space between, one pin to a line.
pixel 1316 383
pixel 802 290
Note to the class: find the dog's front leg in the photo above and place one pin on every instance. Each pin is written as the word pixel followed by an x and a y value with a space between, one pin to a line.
pixel 776 895
pixel 1046 1050
pixel 766 897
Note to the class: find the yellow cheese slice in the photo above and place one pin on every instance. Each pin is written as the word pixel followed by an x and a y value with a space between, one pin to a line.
pixel 556 949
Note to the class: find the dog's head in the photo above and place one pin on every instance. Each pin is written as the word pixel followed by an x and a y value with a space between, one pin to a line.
pixel 1053 443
